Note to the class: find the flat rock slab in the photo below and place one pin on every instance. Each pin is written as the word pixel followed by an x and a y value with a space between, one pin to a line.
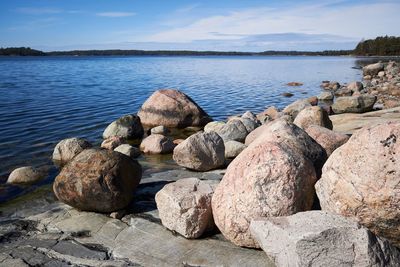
pixel 45 232
pixel 349 122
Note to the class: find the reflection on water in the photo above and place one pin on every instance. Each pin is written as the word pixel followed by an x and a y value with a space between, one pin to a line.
pixel 46 99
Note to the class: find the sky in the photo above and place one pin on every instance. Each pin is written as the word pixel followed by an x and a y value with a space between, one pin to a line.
pixel 218 25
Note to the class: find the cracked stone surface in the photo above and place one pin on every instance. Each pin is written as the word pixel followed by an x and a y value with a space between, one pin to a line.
pixel 40 231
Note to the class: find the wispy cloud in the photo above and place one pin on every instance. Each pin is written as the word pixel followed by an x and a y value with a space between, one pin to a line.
pixel 116 14
pixel 38 10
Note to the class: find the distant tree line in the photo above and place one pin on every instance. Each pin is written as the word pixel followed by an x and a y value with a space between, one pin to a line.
pixel 20 51
pixel 380 46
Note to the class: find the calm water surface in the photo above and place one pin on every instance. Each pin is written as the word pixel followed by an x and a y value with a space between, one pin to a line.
pixel 46 99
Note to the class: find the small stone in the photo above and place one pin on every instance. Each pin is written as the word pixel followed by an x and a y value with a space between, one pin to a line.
pixel 130 151
pixel 159 130
pixel 294 84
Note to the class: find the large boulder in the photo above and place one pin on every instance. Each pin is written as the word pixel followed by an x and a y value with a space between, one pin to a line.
pixel 354 104
pixel 172 108
pixel 328 139
pixel 200 152
pixel 317 238
pixel 68 148
pixel 313 116
pixel 233 130
pixel 185 206
pixel 266 179
pixel 157 144
pixel 233 149
pixel 98 180
pixel 26 175
pixel 128 126
pixel 373 69
pixel 360 179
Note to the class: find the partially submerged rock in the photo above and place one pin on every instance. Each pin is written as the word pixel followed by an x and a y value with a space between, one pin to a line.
pixel 360 179
pixel 317 238
pixel 185 206
pixel 128 150
pixel 128 127
pixel 172 108
pixel 313 116
pixel 157 144
pixel 328 139
pixel 67 149
pixel 294 84
pixel 26 175
pixel 354 104
pixel 201 152
pixel 98 180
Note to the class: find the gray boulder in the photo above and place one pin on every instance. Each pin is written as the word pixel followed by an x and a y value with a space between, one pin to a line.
pixel 200 152
pixel 325 96
pixel 233 130
pixel 128 126
pixel 68 148
pixel 214 126
pixel 27 174
pixel 373 69
pixel 354 104
pixel 159 130
pixel 317 238
pixel 233 149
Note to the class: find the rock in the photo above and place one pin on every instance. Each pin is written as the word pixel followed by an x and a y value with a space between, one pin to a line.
pixel 233 149
pixel 98 180
pixel 26 175
pixel 266 179
pixel 287 94
pixel 354 104
pixel 391 104
pixel 178 141
pixel 294 84
pixel 233 130
pixel 313 116
pixel 381 74
pixel 128 127
pixel 214 126
pixel 373 69
pixel 355 86
pixel 360 179
pixel 112 142
pixel 328 139
pixel 157 144
pixel 254 134
pixel 185 207
pixel 313 100
pixel 327 85
pixel 325 96
pixel 344 91
pixel 159 130
pixel 200 152
pixel 128 150
pixel 172 108
pixel 269 114
pixel 249 124
pixel 251 116
pixel 367 77
pixel 297 106
pixel 67 149
pixel 317 238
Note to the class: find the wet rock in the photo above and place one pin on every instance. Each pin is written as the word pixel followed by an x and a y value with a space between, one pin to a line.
pixel 313 116
pixel 233 130
pixel 67 149
pixel 294 84
pixel 112 142
pixel 317 238
pixel 264 180
pixel 373 69
pixel 128 150
pixel 200 152
pixel 233 149
pixel 328 139
pixel 172 108
pixel 157 144
pixel 326 96
pixel 287 94
pixel 185 206
pixel 26 175
pixel 360 180
pixel 128 127
pixel 98 180
pixel 159 130
pixel 354 104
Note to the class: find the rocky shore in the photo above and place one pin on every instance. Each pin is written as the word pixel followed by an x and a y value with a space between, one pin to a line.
pixel 315 184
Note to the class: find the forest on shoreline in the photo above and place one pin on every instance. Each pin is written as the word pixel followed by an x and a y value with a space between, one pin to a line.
pixel 380 46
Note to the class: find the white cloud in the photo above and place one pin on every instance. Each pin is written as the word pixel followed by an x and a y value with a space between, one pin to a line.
pixel 352 20
pixel 116 14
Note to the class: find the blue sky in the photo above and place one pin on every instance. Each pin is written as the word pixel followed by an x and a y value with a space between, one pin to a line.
pixel 223 25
